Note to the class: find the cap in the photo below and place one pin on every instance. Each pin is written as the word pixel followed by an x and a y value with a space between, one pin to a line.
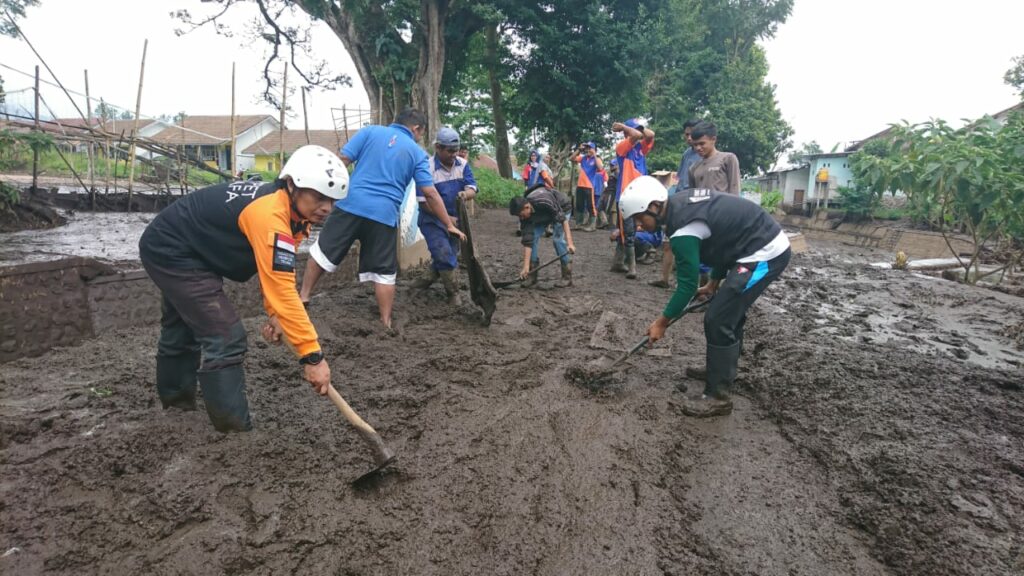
pixel 447 136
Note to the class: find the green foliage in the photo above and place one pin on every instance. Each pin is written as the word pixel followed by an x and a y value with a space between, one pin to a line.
pixel 705 64
pixel 1015 75
pixel 9 197
pixel 970 179
pixel 3 95
pixel 859 201
pixel 770 200
pixel 796 157
pixel 495 191
pixel 16 10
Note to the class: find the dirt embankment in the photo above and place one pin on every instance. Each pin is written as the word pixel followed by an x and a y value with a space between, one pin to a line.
pixel 878 430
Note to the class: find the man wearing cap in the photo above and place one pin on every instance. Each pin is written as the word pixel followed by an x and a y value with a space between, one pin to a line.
pixel 586 186
pixel 453 179
pixel 631 153
pixel 746 249
pixel 387 158
pixel 235 231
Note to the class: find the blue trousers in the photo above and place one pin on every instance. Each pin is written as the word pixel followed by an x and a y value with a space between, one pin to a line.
pixel 444 248
pixel 557 238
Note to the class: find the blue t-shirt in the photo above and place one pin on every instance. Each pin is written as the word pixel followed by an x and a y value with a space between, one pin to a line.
pixel 448 184
pixel 690 157
pixel 387 159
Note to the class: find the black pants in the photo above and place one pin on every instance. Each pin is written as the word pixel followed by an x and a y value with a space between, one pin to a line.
pixel 197 314
pixel 727 313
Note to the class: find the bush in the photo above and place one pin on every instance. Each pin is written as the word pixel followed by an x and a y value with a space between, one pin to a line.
pixel 493 190
pixel 859 201
pixel 770 201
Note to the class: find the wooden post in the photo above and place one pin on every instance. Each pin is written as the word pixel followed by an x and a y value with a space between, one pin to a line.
pixel 35 149
pixel 135 131
pixel 344 115
pixel 305 117
pixel 106 179
pixel 233 168
pixel 92 168
pixel 284 98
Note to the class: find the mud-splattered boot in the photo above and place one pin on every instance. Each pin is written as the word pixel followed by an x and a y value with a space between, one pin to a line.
pixel 424 282
pixel 451 287
pixel 602 220
pixel 176 380
pixel 566 281
pixel 631 263
pixel 224 395
pixel 591 223
pixel 531 278
pixel 721 372
pixel 617 260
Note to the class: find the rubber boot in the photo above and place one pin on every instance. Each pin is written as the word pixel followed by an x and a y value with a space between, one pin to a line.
pixel 602 220
pixel 721 372
pixel 176 380
pixel 566 281
pixel 591 223
pixel 224 395
pixel 631 263
pixel 531 278
pixel 424 282
pixel 620 253
pixel 451 287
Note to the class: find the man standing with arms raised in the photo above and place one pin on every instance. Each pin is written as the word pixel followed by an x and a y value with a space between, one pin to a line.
pixel 387 158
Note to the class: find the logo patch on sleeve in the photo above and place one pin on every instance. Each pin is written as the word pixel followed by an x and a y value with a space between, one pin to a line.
pixel 284 253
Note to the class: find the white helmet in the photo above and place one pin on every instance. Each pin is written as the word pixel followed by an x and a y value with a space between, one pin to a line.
pixel 639 195
pixel 318 168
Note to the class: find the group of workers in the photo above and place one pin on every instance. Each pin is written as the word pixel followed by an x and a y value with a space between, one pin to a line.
pixel 243 229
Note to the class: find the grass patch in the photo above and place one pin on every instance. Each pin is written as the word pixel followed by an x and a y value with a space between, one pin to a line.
pixel 495 191
pixel 889 213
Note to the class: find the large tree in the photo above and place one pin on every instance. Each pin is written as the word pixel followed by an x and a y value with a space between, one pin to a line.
pixel 11 11
pixel 1015 75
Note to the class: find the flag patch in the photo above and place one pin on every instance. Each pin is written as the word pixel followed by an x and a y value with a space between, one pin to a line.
pixel 284 253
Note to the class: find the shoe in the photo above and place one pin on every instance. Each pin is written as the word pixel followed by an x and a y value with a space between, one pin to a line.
pixel 531 278
pixel 617 264
pixel 658 284
pixel 704 406
pixel 451 287
pixel 649 257
pixel 566 281
pixel 176 380
pixel 224 396
pixel 424 282
pixel 591 223
pixel 697 373
pixel 631 263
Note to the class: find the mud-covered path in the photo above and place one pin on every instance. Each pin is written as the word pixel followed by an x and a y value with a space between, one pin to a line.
pixel 879 430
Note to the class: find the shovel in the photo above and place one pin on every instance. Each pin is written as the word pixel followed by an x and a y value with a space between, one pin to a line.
pixel 518 280
pixel 598 373
pixel 382 457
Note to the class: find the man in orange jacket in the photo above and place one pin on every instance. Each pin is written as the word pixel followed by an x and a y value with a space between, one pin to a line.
pixel 236 231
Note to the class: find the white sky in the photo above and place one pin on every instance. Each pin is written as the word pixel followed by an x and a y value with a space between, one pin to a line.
pixel 843 69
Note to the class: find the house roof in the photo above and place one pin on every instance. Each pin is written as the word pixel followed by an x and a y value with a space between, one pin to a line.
pixel 860 143
pixel 125 126
pixel 294 139
pixel 843 154
pixel 1004 114
pixel 197 130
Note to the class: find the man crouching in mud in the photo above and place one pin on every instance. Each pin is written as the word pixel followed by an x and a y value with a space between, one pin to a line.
pixel 540 207
pixel 235 231
pixel 746 250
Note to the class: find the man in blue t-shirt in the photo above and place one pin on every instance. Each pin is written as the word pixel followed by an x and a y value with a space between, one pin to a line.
pixel 453 179
pixel 387 159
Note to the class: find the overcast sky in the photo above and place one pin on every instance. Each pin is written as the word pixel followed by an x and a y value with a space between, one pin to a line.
pixel 843 69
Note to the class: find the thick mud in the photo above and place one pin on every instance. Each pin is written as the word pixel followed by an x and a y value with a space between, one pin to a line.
pixel 878 429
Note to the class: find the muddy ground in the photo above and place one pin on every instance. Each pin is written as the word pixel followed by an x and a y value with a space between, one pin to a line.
pixel 879 429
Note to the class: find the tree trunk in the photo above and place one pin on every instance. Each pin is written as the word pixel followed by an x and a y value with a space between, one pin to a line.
pixel 501 147
pixel 427 83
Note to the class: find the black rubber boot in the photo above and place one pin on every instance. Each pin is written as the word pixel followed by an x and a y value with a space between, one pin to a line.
pixel 620 254
pixel 566 281
pixel 721 369
pixel 224 395
pixel 630 263
pixel 176 380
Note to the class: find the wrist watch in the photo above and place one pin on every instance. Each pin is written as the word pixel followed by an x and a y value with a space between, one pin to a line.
pixel 312 358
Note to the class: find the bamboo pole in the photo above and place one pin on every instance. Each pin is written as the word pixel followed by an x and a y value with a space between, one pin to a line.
pixel 91 148
pixel 284 98
pixel 35 149
pixel 106 179
pixel 135 130
pixel 233 168
pixel 344 115
pixel 305 117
